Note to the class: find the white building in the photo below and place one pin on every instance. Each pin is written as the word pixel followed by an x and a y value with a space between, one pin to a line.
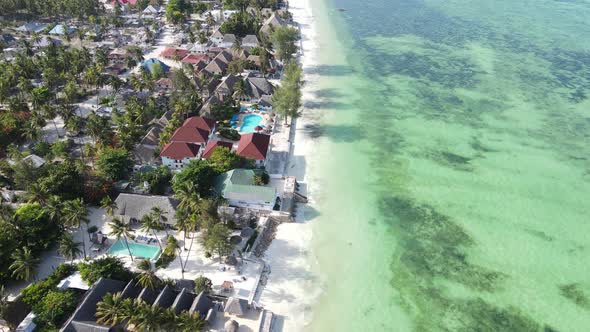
pixel 176 155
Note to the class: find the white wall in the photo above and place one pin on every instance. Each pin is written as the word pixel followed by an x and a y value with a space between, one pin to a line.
pixel 176 164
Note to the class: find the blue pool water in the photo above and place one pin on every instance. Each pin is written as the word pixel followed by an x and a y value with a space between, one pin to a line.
pixel 137 250
pixel 250 122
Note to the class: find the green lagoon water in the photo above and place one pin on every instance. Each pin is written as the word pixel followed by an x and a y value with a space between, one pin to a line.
pixel 453 160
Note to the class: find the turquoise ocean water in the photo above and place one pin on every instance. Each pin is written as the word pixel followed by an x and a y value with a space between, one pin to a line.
pixel 453 165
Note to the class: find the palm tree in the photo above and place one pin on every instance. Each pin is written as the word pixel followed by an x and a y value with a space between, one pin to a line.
pixel 53 207
pixel 188 196
pixel 37 192
pixel 147 278
pixel 24 264
pixel 108 205
pixel 111 309
pixel 160 217
pixel 76 215
pixel 121 229
pixel 31 131
pixel 150 224
pixel 192 226
pixel 149 318
pixel 187 322
pixel 69 248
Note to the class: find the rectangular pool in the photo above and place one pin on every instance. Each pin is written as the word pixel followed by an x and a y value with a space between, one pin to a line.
pixel 137 250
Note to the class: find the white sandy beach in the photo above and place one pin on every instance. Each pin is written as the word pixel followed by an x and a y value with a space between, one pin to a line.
pixel 292 288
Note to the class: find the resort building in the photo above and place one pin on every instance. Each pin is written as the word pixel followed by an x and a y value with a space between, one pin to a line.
pixel 32 27
pixel 200 122
pixel 190 135
pixel 176 155
pixel 174 53
pixel 178 299
pixel 212 145
pixel 193 59
pixel 250 41
pixel 238 188
pixel 228 40
pixel 272 22
pixel 254 146
pixel 151 64
pixel 132 207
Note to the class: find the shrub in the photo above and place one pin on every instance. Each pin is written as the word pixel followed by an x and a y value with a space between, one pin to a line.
pixel 223 159
pixel 36 291
pixel 261 178
pixel 106 267
pixel 42 149
pixel 229 133
pixel 54 308
pixel 203 284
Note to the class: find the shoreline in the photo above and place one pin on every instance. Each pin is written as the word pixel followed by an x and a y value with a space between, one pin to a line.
pixel 292 289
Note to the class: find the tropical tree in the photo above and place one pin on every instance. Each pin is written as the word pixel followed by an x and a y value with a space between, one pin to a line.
pixel 120 229
pixel 187 322
pixel 37 192
pixel 283 40
pixel 216 239
pixel 111 310
pixel 69 248
pixel 24 264
pixel 108 205
pixel 188 197
pixel 150 224
pixel 75 214
pixel 203 284
pixel 159 216
pixel 147 278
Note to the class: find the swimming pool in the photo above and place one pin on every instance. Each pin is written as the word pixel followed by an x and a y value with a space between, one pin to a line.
pixel 249 122
pixel 137 250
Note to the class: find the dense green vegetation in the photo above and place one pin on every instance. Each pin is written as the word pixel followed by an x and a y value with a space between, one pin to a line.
pixel 24 234
pixel 51 306
pixel 203 284
pixel 158 179
pixel 283 40
pixel 240 24
pixel 287 98
pixel 105 267
pixel 114 164
pixel 78 8
pixel 114 310
pixel 200 173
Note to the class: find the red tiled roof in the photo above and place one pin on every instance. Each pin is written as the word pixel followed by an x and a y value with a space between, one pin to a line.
pixel 190 135
pixel 199 122
pixel 180 150
pixel 211 147
pixel 253 146
pixel 169 52
pixel 195 58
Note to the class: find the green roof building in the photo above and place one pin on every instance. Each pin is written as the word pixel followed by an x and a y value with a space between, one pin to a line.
pixel 237 186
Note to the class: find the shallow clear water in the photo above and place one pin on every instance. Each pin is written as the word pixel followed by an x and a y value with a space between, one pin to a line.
pixel 452 161
pixel 119 248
